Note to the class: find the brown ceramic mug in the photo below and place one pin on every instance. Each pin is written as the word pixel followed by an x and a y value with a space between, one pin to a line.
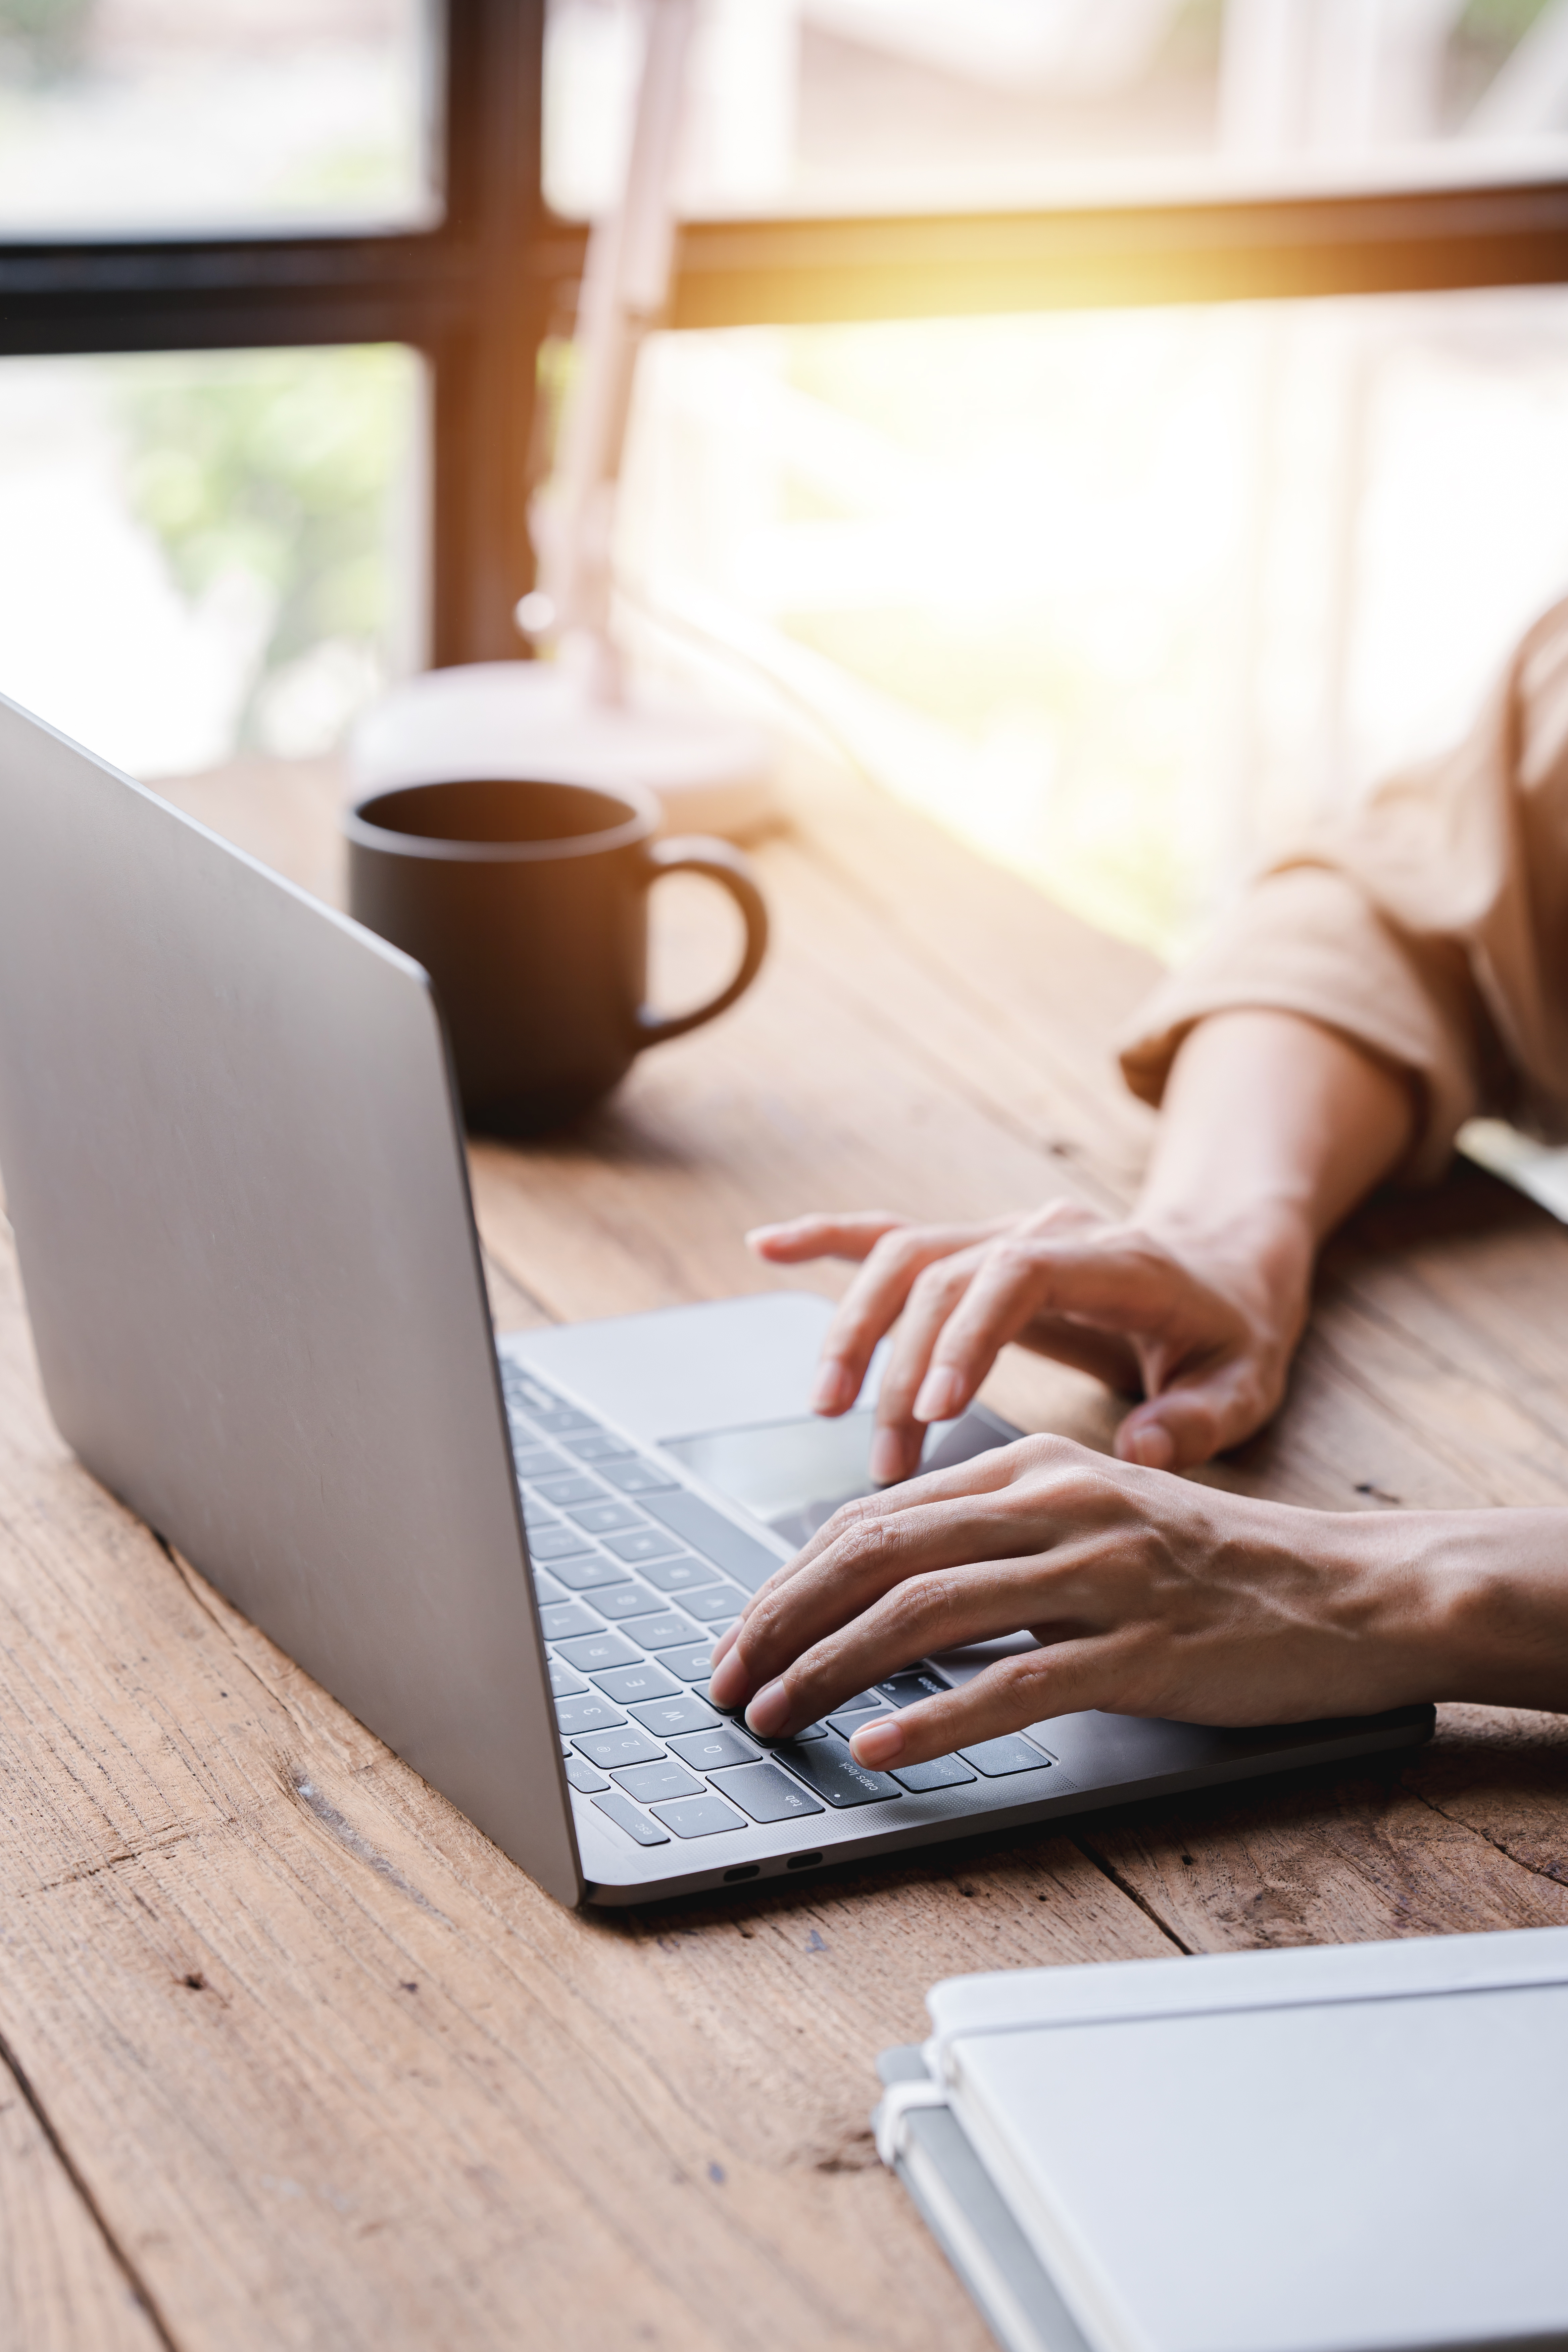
pixel 527 903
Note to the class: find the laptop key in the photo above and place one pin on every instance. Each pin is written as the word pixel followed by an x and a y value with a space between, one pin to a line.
pixel 997 1757
pixel 941 1772
pixel 827 1768
pixel 562 1619
pixel 575 1488
pixel 628 1600
pixel 642 1543
pixel 587 1574
pixel 627 1745
pixel 647 1782
pixel 624 1683
pixel 582 1776
pixel 918 1683
pixel 708 1531
pixel 693 1665
pixel 766 1794
pixel 587 1651
pixel 551 1541
pixel 847 1723
pixel 625 1816
pixel 563 1682
pixel 595 1445
pixel 685 1712
pixel 674 1575
pixel 547 1588
pixel 695 1817
pixel 658 1633
pixel 710 1751
pixel 537 1460
pixel 590 1714
pixel 600 1517
pixel 635 1477
pixel 714 1601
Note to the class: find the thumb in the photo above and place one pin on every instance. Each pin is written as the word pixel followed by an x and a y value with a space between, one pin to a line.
pixel 1196 1417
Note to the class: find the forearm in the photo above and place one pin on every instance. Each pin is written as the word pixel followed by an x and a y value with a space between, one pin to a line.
pixel 1272 1129
pixel 1468 1605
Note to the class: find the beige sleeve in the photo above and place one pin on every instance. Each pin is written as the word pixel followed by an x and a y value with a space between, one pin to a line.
pixel 1429 925
pixel 1306 941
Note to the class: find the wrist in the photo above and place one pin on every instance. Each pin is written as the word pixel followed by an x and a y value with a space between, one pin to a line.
pixel 1260 1255
pixel 1452 1605
pixel 1494 1616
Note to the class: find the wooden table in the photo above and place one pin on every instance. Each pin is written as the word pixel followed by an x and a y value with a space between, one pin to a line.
pixel 297 2059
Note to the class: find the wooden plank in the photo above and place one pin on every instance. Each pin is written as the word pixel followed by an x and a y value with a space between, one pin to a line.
pixel 62 2287
pixel 1472 1835
pixel 336 2074
pixel 646 1201
pixel 1036 974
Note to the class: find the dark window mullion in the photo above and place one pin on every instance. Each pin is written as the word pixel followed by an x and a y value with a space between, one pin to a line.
pixel 486 362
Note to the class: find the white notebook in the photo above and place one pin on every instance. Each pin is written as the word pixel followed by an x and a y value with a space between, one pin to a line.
pixel 1329 2151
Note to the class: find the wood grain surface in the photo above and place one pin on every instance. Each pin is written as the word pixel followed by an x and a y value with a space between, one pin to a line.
pixel 294 2057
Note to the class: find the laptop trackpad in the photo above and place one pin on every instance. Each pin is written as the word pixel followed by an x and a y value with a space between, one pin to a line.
pixel 794 1474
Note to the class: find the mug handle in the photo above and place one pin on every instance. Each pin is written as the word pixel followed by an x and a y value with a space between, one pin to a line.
pixel 720 864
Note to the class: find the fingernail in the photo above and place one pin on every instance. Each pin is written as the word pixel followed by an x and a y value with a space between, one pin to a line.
pixel 1151 1447
pixel 769 1710
pixel 879 1742
pixel 887 1465
pixel 726 1641
pixel 941 1393
pixel 760 1234
pixel 726 1680
pixel 831 1389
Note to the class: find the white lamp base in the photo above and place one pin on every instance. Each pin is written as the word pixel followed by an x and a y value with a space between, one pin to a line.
pixel 712 773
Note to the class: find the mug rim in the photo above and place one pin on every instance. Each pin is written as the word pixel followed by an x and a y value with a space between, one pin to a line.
pixel 644 819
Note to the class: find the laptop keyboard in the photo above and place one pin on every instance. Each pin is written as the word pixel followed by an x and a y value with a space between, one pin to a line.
pixel 636 1577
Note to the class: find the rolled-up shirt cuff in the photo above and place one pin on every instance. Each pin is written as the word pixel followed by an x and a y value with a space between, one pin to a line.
pixel 1308 940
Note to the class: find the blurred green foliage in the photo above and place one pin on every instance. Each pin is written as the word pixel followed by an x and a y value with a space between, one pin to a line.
pixel 283 466
pixel 40 39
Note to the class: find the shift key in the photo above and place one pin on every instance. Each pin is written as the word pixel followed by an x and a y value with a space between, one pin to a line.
pixel 826 1766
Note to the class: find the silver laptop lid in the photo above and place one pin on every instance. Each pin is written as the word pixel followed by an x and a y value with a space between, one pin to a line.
pixel 233 1163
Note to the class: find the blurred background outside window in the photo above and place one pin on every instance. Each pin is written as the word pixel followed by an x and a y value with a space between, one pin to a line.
pixel 1124 598
pixel 132 117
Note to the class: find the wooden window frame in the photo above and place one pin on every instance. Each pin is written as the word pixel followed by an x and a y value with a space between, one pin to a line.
pixel 478 293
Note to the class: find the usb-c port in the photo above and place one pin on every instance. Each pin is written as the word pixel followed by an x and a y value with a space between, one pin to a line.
pixel 802 1860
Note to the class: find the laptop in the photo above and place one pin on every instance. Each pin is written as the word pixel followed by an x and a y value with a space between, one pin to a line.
pixel 233 1161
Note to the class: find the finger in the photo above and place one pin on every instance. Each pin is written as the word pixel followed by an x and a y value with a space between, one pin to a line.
pixel 874 1554
pixel 937 1611
pixel 1113 1281
pixel 1198 1417
pixel 873 1303
pixel 1014 1695
pixel 1105 1355
pixel 982 1473
pixel 901 1428
pixel 800 1238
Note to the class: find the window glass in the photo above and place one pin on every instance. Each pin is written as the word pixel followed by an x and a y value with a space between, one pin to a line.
pixel 125 117
pixel 923 105
pixel 1125 599
pixel 209 552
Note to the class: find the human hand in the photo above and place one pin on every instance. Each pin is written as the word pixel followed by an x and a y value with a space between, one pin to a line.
pixel 1205 1325
pixel 1149 1595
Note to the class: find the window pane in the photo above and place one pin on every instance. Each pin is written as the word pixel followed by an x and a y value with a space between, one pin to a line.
pixel 124 117
pixel 900 105
pixel 1127 600
pixel 209 552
